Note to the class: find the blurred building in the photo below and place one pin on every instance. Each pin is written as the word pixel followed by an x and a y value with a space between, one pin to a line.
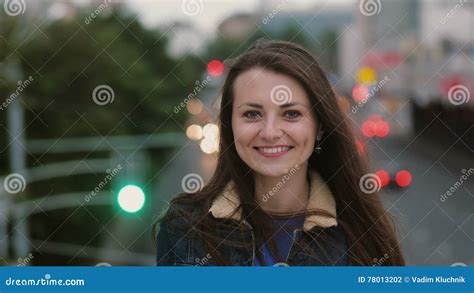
pixel 422 46
pixel 184 38
pixel 238 26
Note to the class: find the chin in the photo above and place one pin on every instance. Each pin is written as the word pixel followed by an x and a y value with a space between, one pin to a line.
pixel 271 172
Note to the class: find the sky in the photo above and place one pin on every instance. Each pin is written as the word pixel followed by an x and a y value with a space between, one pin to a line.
pixel 207 14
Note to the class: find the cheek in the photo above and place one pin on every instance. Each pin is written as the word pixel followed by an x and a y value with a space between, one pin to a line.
pixel 305 134
pixel 303 138
pixel 243 134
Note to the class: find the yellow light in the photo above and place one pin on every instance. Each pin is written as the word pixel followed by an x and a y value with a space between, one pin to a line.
pixel 194 132
pixel 194 106
pixel 210 131
pixel 366 75
pixel 209 145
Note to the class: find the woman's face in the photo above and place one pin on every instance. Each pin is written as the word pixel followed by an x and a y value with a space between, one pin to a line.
pixel 272 121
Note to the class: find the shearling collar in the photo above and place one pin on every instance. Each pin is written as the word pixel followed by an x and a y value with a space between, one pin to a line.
pixel 320 198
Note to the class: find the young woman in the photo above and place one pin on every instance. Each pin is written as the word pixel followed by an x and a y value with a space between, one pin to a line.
pixel 286 187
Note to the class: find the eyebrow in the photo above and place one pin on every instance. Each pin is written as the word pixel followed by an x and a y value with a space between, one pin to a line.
pixel 261 107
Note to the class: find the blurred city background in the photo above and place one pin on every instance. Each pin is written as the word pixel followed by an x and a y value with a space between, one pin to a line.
pixel 108 110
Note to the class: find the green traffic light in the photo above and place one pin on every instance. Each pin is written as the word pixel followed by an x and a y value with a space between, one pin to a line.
pixel 131 198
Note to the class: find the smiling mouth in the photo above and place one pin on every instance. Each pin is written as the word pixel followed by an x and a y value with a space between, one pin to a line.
pixel 273 151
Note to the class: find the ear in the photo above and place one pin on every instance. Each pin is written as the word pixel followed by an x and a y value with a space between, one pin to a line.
pixel 320 133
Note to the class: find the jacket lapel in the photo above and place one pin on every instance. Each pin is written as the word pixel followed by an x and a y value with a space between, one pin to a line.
pixel 227 203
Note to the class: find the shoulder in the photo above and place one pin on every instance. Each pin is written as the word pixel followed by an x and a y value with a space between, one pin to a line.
pixel 182 213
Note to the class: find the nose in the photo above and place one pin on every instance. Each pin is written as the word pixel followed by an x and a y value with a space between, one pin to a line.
pixel 271 131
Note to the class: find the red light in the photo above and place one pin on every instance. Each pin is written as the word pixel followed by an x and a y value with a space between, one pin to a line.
pixel 381 128
pixel 403 178
pixel 215 68
pixel 375 126
pixel 360 93
pixel 384 177
pixel 368 129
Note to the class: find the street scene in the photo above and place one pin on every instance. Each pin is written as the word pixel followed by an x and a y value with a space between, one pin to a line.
pixel 109 109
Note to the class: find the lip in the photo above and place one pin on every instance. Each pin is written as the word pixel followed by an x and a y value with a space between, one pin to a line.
pixel 274 155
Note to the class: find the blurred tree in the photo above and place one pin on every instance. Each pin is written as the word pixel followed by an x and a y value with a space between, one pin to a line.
pixel 327 50
pixel 68 60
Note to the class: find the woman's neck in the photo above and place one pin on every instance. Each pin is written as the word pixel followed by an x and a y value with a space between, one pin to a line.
pixel 286 194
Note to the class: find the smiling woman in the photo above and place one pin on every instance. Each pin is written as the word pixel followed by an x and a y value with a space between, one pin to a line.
pixel 286 186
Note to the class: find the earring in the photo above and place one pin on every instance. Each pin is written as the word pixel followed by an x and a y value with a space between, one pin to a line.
pixel 318 148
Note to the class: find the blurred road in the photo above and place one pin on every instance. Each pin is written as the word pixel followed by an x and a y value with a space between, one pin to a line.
pixel 433 230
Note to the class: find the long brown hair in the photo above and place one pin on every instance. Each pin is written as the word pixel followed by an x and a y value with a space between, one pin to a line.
pixel 369 229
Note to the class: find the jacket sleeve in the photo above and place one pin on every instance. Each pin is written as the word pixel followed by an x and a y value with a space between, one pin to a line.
pixel 164 255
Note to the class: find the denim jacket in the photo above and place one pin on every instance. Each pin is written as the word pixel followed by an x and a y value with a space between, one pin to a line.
pixel 321 241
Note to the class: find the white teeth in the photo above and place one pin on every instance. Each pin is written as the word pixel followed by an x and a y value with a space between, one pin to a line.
pixel 274 150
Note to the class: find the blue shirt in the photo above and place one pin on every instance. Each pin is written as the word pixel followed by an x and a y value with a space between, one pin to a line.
pixel 283 238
